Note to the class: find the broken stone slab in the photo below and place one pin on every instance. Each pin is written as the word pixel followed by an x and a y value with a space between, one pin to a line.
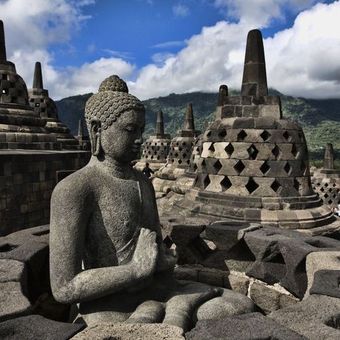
pixel 246 327
pixel 238 282
pixel 12 301
pixel 281 255
pixel 316 318
pixel 30 246
pixel 318 264
pixel 270 298
pixel 133 331
pixel 326 282
pixel 34 327
pixel 13 289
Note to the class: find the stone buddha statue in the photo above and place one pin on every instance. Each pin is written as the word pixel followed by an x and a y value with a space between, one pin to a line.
pixel 106 250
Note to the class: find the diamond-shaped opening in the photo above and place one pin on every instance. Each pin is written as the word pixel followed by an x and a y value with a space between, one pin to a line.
pixel 211 147
pixel 265 167
pixel 241 136
pixel 326 185
pixel 225 183
pixel 208 133
pixel 265 135
pixel 206 181
pixel 251 186
pixel 252 151
pixel 296 184
pixel 203 164
pixel 303 167
pixel 276 152
pixel 239 167
pixel 276 186
pixel 222 133
pixel 326 196
pixel 294 150
pixel 229 149
pixel 287 168
pixel 217 166
pixel 195 167
pixel 286 135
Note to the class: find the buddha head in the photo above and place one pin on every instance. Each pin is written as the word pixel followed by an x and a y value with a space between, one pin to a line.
pixel 115 120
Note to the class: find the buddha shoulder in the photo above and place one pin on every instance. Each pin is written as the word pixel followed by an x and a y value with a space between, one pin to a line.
pixel 75 188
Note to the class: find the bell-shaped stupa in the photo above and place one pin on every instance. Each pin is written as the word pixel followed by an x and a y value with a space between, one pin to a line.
pixel 156 147
pixel 178 159
pixel 254 164
pixel 46 108
pixel 21 126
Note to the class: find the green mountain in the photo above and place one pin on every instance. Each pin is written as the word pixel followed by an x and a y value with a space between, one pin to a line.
pixel 319 118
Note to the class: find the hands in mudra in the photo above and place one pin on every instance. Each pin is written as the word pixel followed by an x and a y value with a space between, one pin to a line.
pixel 149 257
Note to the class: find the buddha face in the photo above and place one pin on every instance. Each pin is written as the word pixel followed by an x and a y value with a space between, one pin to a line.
pixel 123 139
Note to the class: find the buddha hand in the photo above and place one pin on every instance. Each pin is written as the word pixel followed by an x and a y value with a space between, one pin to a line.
pixel 145 256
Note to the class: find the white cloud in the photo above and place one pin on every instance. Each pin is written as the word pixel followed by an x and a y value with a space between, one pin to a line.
pixel 180 10
pixel 302 60
pixel 260 13
pixel 47 22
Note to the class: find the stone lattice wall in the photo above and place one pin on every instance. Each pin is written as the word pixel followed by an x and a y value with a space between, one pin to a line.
pixel 156 150
pixel 180 151
pixel 27 179
pixel 328 190
pixel 268 159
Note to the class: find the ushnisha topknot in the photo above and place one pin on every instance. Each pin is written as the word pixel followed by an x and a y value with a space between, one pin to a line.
pixel 110 102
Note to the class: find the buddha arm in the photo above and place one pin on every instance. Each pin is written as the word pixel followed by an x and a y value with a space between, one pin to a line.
pixel 70 211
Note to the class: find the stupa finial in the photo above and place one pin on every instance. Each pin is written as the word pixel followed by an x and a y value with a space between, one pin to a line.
pixel 37 80
pixel 254 81
pixel 328 160
pixel 3 56
pixel 222 95
pixel 189 119
pixel 160 123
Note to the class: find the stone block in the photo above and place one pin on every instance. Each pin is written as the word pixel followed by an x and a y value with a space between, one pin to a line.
pixel 273 111
pixel 316 318
pixel 269 298
pixel 238 282
pixel 37 327
pixel 246 327
pixel 322 276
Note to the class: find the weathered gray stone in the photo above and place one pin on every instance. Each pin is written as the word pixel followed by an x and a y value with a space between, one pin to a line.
pixel 123 331
pixel 106 250
pixel 316 318
pixel 320 264
pixel 281 256
pixel 269 298
pixel 246 327
pixel 233 303
pixel 35 327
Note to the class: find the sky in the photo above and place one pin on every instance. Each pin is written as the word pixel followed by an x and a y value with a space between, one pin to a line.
pixel 173 46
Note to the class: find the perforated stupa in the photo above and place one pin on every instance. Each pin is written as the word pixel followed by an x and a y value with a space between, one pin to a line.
pixel 254 163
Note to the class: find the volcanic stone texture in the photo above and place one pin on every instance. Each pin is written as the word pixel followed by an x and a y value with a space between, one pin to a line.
pixel 27 179
pixel 249 326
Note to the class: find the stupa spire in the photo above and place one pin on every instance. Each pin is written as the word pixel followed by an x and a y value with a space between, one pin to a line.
pixel 328 161
pixel 3 56
pixel 160 123
pixel 37 80
pixel 80 128
pixel 222 95
pixel 254 81
pixel 189 119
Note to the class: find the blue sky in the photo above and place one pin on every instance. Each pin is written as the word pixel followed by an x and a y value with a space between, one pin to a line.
pixel 165 46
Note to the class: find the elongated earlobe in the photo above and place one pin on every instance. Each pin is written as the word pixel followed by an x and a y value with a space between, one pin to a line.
pixel 95 137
